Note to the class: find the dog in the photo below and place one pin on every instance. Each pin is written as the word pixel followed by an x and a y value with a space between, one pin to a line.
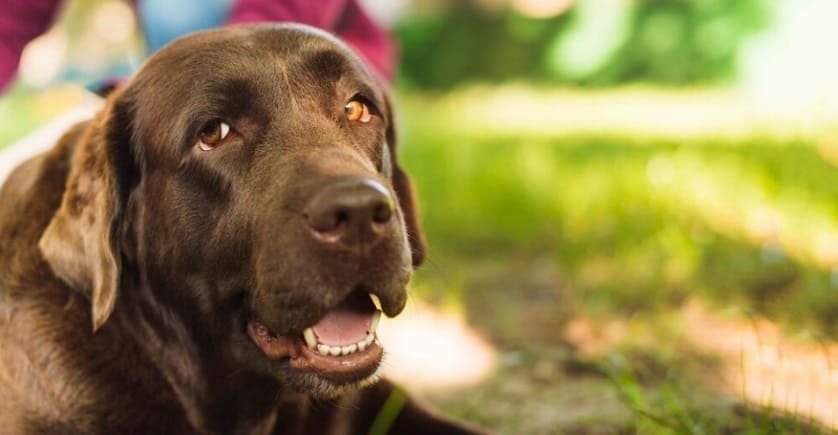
pixel 211 253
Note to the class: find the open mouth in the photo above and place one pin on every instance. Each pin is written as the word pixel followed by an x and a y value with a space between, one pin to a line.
pixel 341 347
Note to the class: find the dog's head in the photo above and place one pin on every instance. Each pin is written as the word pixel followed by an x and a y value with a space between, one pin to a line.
pixel 240 197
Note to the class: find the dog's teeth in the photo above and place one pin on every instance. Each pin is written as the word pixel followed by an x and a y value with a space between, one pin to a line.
pixel 311 340
pixel 225 128
pixel 325 349
pixel 376 301
pixel 376 317
pixel 377 342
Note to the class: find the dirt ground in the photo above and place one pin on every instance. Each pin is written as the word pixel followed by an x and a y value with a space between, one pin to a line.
pixel 556 369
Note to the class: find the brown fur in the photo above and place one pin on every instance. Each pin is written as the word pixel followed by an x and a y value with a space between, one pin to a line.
pixel 130 261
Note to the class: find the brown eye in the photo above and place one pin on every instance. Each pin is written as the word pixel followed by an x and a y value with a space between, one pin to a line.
pixel 357 111
pixel 213 134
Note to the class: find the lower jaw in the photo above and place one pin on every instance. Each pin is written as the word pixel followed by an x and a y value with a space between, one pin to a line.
pixel 341 370
pixel 303 376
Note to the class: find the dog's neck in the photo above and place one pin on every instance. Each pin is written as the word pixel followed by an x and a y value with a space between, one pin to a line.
pixel 216 396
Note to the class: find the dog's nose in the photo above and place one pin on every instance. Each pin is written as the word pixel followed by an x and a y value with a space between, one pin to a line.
pixel 350 211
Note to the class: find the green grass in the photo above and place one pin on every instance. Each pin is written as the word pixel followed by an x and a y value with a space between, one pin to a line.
pixel 21 111
pixel 673 406
pixel 636 224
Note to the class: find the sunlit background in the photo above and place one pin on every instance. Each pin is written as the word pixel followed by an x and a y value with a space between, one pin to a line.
pixel 632 206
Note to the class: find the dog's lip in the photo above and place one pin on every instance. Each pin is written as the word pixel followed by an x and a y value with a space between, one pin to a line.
pixel 340 370
pixel 273 346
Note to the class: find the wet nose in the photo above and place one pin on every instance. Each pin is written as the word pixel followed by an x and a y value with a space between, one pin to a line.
pixel 350 211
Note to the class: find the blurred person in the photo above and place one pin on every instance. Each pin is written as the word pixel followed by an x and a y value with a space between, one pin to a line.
pixel 163 20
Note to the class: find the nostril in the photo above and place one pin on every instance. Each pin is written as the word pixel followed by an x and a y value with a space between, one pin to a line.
pixel 382 212
pixel 320 223
pixel 341 216
pixel 324 221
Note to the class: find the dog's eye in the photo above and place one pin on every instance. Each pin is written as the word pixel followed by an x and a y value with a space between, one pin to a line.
pixel 357 111
pixel 213 134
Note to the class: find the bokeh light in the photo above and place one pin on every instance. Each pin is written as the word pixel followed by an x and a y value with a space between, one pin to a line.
pixel 43 59
pixel 432 349
pixel 542 8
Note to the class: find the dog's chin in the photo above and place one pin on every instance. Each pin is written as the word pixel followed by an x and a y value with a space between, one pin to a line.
pixel 321 388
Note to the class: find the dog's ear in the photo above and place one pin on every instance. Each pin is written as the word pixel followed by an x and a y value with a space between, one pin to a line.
pixel 404 191
pixel 81 241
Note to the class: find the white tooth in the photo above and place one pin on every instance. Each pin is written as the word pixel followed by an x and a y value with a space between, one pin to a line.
pixel 311 340
pixel 362 345
pixel 323 349
pixel 346 350
pixel 369 339
pixel 334 350
pixel 376 301
pixel 377 342
pixel 376 317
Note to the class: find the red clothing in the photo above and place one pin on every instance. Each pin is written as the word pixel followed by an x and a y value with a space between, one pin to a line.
pixel 20 22
pixel 344 18
pixel 23 20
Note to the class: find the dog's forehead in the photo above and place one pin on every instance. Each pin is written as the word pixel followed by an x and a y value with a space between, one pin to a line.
pixel 255 71
pixel 257 51
pixel 268 61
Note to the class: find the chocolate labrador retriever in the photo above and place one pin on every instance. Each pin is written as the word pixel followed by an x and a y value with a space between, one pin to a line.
pixel 211 253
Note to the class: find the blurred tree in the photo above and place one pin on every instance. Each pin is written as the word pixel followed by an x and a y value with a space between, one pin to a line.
pixel 593 43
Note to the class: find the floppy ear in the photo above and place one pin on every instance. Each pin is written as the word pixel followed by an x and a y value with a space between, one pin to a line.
pixel 81 241
pixel 404 191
